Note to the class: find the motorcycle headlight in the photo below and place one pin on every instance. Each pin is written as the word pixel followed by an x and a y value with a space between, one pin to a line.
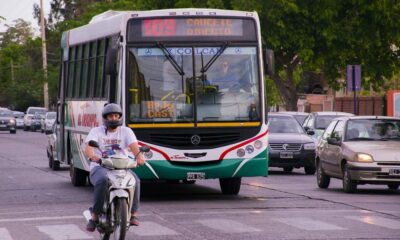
pixel 363 157
pixel 309 146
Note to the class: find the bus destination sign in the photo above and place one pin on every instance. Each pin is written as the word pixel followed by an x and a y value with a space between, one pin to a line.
pixel 192 27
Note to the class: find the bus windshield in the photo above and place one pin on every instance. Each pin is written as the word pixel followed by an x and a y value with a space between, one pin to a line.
pixel 227 89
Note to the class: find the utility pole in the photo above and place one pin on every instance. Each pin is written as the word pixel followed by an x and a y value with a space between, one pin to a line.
pixel 44 56
pixel 12 71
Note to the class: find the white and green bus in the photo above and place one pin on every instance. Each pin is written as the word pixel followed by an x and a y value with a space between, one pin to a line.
pixel 190 82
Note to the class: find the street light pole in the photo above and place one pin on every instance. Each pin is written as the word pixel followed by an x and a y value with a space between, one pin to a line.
pixel 44 56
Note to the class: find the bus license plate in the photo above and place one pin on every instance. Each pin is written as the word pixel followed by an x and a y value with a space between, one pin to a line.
pixel 286 155
pixel 394 172
pixel 195 175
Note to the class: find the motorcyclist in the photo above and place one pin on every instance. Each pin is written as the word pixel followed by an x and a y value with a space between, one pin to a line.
pixel 109 134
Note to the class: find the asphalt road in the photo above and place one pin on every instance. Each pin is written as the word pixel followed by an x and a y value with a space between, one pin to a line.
pixel 38 203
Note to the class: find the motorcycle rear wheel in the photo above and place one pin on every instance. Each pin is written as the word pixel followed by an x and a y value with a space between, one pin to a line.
pixel 121 218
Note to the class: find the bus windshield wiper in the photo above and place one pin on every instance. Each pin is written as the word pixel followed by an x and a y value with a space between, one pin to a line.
pixel 214 58
pixel 168 55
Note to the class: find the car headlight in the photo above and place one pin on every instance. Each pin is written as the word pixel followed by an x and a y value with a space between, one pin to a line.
pixel 363 157
pixel 309 146
pixel 12 121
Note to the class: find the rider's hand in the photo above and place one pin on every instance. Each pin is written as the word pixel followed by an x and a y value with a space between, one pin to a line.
pixel 95 158
pixel 140 159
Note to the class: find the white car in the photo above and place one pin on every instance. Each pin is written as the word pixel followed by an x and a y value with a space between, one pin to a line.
pixel 19 117
pixel 48 122
pixel 30 112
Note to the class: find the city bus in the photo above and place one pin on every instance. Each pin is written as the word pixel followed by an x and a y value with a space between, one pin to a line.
pixel 190 83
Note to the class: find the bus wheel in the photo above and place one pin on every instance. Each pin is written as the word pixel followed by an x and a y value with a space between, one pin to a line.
pixel 230 186
pixel 78 176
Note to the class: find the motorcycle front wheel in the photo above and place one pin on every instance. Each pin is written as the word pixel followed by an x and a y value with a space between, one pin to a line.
pixel 121 218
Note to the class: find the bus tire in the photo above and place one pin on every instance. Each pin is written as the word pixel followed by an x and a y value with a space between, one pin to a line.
pixel 78 176
pixel 230 186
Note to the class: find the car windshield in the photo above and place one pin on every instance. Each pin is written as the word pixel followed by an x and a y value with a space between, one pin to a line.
pixel 51 115
pixel 373 129
pixel 322 121
pixel 284 125
pixel 5 113
pixel 18 114
pixel 300 118
pixel 37 110
pixel 185 89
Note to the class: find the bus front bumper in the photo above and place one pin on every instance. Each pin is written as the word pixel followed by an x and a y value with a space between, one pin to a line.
pixel 227 168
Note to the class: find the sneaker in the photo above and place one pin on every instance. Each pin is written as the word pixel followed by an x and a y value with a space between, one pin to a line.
pixel 91 226
pixel 134 221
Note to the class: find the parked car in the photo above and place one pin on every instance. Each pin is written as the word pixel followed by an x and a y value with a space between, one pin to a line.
pixel 289 146
pixel 7 121
pixel 48 121
pixel 36 122
pixel 30 112
pixel 299 116
pixel 51 149
pixel 360 150
pixel 318 121
pixel 19 117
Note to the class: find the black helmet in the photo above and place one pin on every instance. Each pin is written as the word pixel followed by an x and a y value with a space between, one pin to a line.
pixel 112 108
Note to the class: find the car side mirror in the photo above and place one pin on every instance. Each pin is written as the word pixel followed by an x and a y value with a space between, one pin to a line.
pixel 269 62
pixel 333 141
pixel 310 132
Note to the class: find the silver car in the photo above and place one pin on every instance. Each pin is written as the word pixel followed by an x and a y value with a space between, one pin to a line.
pixel 47 122
pixel 360 150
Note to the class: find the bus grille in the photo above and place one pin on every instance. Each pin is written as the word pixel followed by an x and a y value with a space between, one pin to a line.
pixel 185 140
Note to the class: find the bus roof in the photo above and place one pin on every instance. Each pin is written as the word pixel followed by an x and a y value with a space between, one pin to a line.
pixel 114 22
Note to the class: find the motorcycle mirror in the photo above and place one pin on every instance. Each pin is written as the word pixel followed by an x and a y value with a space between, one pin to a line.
pixel 94 144
pixel 144 149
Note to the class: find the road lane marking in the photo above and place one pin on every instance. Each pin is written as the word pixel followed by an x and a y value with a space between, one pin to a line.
pixel 227 226
pixel 64 232
pixel 40 218
pixel 378 221
pixel 308 224
pixel 152 229
pixel 4 234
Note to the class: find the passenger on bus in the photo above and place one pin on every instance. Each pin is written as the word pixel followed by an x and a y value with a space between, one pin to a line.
pixel 111 133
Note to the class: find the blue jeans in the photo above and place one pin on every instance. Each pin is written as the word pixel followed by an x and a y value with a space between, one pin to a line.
pixel 98 177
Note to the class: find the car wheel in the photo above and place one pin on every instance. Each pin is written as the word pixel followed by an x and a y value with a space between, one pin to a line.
pixel 55 165
pixel 393 186
pixel 349 186
pixel 42 130
pixel 323 180
pixel 309 170
pixel 288 169
pixel 13 131
pixel 25 129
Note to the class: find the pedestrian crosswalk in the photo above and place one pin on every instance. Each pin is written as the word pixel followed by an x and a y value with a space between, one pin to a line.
pixel 227 226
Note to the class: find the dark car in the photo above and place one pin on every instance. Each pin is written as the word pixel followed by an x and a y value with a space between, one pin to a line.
pixel 300 116
pixel 317 122
pixel 360 150
pixel 289 145
pixel 7 121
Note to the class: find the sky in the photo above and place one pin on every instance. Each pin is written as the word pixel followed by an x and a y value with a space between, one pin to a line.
pixel 14 9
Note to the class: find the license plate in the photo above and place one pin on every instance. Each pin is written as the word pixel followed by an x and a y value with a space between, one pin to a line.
pixel 394 171
pixel 3 125
pixel 195 175
pixel 286 155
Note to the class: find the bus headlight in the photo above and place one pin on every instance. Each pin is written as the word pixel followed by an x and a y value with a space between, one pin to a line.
pixel 363 157
pixel 240 152
pixel 148 154
pixel 309 146
pixel 258 144
pixel 249 149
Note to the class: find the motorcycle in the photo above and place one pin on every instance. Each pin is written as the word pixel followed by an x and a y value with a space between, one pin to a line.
pixel 119 197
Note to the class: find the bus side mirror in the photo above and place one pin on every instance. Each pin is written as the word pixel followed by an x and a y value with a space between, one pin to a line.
pixel 111 57
pixel 269 62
